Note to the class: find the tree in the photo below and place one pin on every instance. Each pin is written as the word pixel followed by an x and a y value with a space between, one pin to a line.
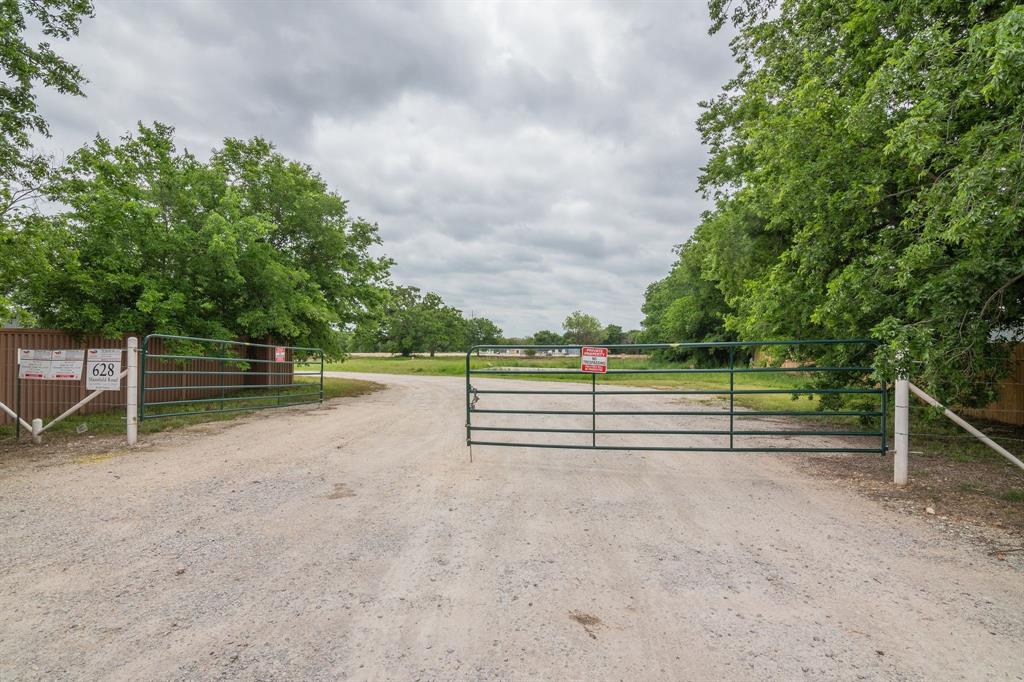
pixel 581 328
pixel 686 305
pixel 868 179
pixel 613 335
pixel 410 322
pixel 480 330
pixel 547 338
pixel 247 245
pixel 24 65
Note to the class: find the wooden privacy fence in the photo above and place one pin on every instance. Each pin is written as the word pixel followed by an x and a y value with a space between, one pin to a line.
pixel 46 399
pixel 1009 406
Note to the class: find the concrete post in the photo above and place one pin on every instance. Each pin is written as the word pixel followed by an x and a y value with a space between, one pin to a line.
pixel 37 430
pixel 132 391
pixel 902 431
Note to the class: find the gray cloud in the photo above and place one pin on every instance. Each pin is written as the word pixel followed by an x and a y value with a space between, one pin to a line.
pixel 523 160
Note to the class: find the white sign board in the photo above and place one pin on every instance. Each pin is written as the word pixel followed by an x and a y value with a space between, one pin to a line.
pixel 66 365
pixel 103 369
pixel 50 365
pixel 34 364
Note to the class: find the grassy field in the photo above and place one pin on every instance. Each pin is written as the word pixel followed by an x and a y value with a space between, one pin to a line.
pixel 112 422
pixel 456 366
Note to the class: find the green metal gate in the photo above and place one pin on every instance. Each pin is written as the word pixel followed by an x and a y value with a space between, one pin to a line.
pixel 188 376
pixel 862 427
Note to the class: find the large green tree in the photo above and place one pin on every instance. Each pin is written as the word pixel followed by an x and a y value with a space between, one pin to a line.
pixel 249 244
pixel 687 306
pixel 410 322
pixel 26 64
pixel 547 338
pixel 480 330
pixel 582 328
pixel 868 179
pixel 613 335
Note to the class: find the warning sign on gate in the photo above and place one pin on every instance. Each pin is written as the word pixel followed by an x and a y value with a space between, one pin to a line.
pixel 593 360
pixel 279 354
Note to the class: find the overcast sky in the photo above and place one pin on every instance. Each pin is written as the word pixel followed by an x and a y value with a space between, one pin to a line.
pixel 522 160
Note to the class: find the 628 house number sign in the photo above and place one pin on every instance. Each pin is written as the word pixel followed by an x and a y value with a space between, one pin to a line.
pixel 103 369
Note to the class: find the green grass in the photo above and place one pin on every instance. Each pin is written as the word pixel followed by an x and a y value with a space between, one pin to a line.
pixel 973 487
pixel 1014 495
pixel 113 422
pixel 456 366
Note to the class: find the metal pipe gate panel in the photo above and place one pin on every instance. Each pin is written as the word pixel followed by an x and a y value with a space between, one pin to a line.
pixel 853 380
pixel 188 376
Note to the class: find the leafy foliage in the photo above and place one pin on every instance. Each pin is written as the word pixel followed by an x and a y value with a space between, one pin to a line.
pixel 613 335
pixel 547 338
pixel 247 245
pixel 410 322
pixel 582 328
pixel 480 330
pixel 24 66
pixel 868 176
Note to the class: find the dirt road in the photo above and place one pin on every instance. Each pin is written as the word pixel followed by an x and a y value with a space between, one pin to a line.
pixel 358 542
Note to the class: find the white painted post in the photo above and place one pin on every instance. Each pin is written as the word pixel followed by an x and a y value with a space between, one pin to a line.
pixel 37 430
pixel 902 431
pixel 132 390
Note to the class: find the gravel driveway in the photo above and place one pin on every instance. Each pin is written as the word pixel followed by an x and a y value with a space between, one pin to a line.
pixel 358 542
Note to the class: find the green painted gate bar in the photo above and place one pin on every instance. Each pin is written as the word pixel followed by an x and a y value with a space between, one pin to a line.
pixel 231 362
pixel 861 384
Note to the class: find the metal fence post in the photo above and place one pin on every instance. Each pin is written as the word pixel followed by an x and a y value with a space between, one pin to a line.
pixel 732 389
pixel 884 418
pixel 469 427
pixel 223 373
pixel 142 378
pixel 17 397
pixel 132 391
pixel 902 431
pixel 593 410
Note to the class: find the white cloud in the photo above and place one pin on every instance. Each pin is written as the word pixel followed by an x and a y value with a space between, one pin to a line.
pixel 523 160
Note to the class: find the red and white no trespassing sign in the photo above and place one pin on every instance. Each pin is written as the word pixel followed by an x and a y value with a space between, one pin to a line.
pixel 593 360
